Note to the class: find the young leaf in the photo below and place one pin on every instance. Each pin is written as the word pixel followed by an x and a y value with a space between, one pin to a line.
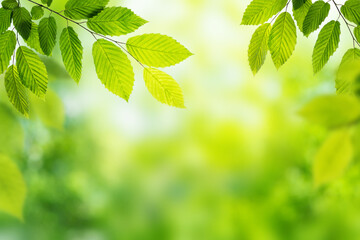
pixel 7 47
pixel 282 39
pixel 348 72
pixel 326 45
pixel 33 40
pixel 163 87
pixel 115 21
pixel 10 4
pixel 333 157
pixel 315 16
pixel 48 2
pixel 37 12
pixel 22 22
pixel 84 9
pixel 113 68
pixel 332 111
pixel 300 14
pixel 258 47
pixel 298 4
pixel 5 19
pixel 72 52
pixel 351 11
pixel 157 50
pixel 357 33
pixel 259 11
pixel 32 71
pixel 12 188
pixel 47 34
pixel 16 91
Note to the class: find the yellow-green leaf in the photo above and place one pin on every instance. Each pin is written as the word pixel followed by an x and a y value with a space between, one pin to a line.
pixel 315 16
pixel 351 11
pixel 16 91
pixel 282 39
pixel 333 157
pixel 5 19
pixel 113 68
pixel 12 188
pixel 259 11
pixel 348 73
pixel 163 87
pixel 84 9
pixel 156 50
pixel 7 47
pixel 258 47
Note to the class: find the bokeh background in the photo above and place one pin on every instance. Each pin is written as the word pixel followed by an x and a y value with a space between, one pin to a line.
pixel 236 164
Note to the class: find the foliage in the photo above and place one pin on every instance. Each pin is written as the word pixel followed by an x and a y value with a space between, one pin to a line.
pixel 333 112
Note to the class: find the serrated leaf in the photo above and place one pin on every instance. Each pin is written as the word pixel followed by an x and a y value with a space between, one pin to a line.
pixel 5 19
pixel 348 73
pixel 7 48
pixel 163 87
pixel 48 2
pixel 37 12
pixel 155 50
pixel 298 4
pixel 326 45
pixel 333 157
pixel 10 4
pixel 357 33
pixel 316 15
pixel 16 91
pixel 351 11
pixel 258 47
pixel 47 34
pixel 113 68
pixel 332 111
pixel 282 39
pixel 84 9
pixel 300 14
pixel 33 40
pixel 12 188
pixel 22 22
pixel 32 71
pixel 259 11
pixel 72 52
pixel 115 21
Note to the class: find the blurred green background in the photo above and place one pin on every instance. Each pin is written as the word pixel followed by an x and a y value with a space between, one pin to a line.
pixel 236 164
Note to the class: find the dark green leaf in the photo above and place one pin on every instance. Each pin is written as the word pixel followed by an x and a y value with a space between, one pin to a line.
pixel 5 19
pixel 22 22
pixel 10 4
pixel 351 11
pixel 84 9
pixel 47 34
pixel 37 12
pixel 315 16
pixel 7 48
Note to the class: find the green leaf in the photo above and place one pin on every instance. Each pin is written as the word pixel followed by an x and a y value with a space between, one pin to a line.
pixel 32 71
pixel 348 72
pixel 113 68
pixel 326 45
pixel 16 91
pixel 163 87
pixel 115 21
pixel 333 157
pixel 47 34
pixel 5 19
pixel 12 188
pixel 300 14
pixel 22 22
pixel 48 2
pixel 357 33
pixel 33 41
pixel 351 11
pixel 157 50
pixel 258 47
pixel 332 111
pixel 84 9
pixel 7 48
pixel 10 4
pixel 282 39
pixel 37 12
pixel 315 16
pixel 72 52
pixel 259 11
pixel 51 112
pixel 298 4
